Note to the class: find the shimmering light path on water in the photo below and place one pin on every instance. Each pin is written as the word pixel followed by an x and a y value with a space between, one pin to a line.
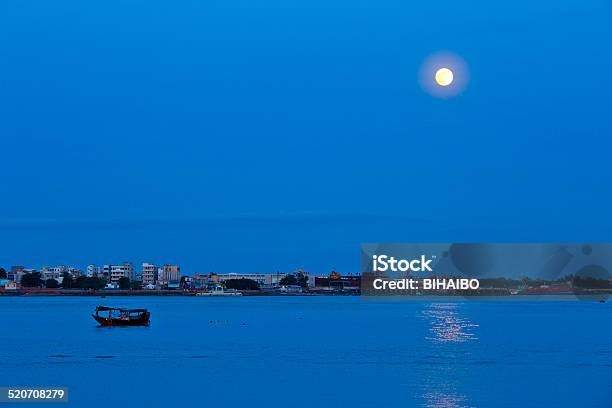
pixel 313 351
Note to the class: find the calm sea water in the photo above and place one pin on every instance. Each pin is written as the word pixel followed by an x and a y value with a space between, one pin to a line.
pixel 313 351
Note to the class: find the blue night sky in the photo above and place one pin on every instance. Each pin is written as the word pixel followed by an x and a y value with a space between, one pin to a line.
pixel 267 135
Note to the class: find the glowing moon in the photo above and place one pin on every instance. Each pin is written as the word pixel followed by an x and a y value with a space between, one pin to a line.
pixel 444 77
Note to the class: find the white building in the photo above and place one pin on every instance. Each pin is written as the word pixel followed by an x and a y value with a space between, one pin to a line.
pixel 17 273
pixel 50 273
pixel 149 273
pixel 116 272
pixel 93 270
pixel 261 278
pixel 57 272
pixel 11 286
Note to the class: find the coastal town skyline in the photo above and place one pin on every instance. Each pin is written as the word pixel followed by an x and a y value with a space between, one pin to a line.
pixel 141 265
pixel 161 278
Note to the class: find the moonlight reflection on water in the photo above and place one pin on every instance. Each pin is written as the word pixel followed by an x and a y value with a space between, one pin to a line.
pixel 447 325
pixel 439 399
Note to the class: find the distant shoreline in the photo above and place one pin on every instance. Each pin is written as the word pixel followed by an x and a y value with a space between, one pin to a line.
pixel 143 292
pixel 263 293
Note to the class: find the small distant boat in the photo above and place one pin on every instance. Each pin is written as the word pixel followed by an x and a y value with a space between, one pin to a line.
pixel 121 317
pixel 219 291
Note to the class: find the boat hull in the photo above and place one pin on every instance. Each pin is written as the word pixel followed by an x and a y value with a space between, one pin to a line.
pixel 105 321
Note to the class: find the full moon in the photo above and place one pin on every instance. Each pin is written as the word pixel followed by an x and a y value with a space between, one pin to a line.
pixel 444 77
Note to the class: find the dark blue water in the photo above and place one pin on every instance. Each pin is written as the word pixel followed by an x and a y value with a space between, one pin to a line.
pixel 313 351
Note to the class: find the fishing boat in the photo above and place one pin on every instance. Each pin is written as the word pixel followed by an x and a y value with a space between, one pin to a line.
pixel 112 316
